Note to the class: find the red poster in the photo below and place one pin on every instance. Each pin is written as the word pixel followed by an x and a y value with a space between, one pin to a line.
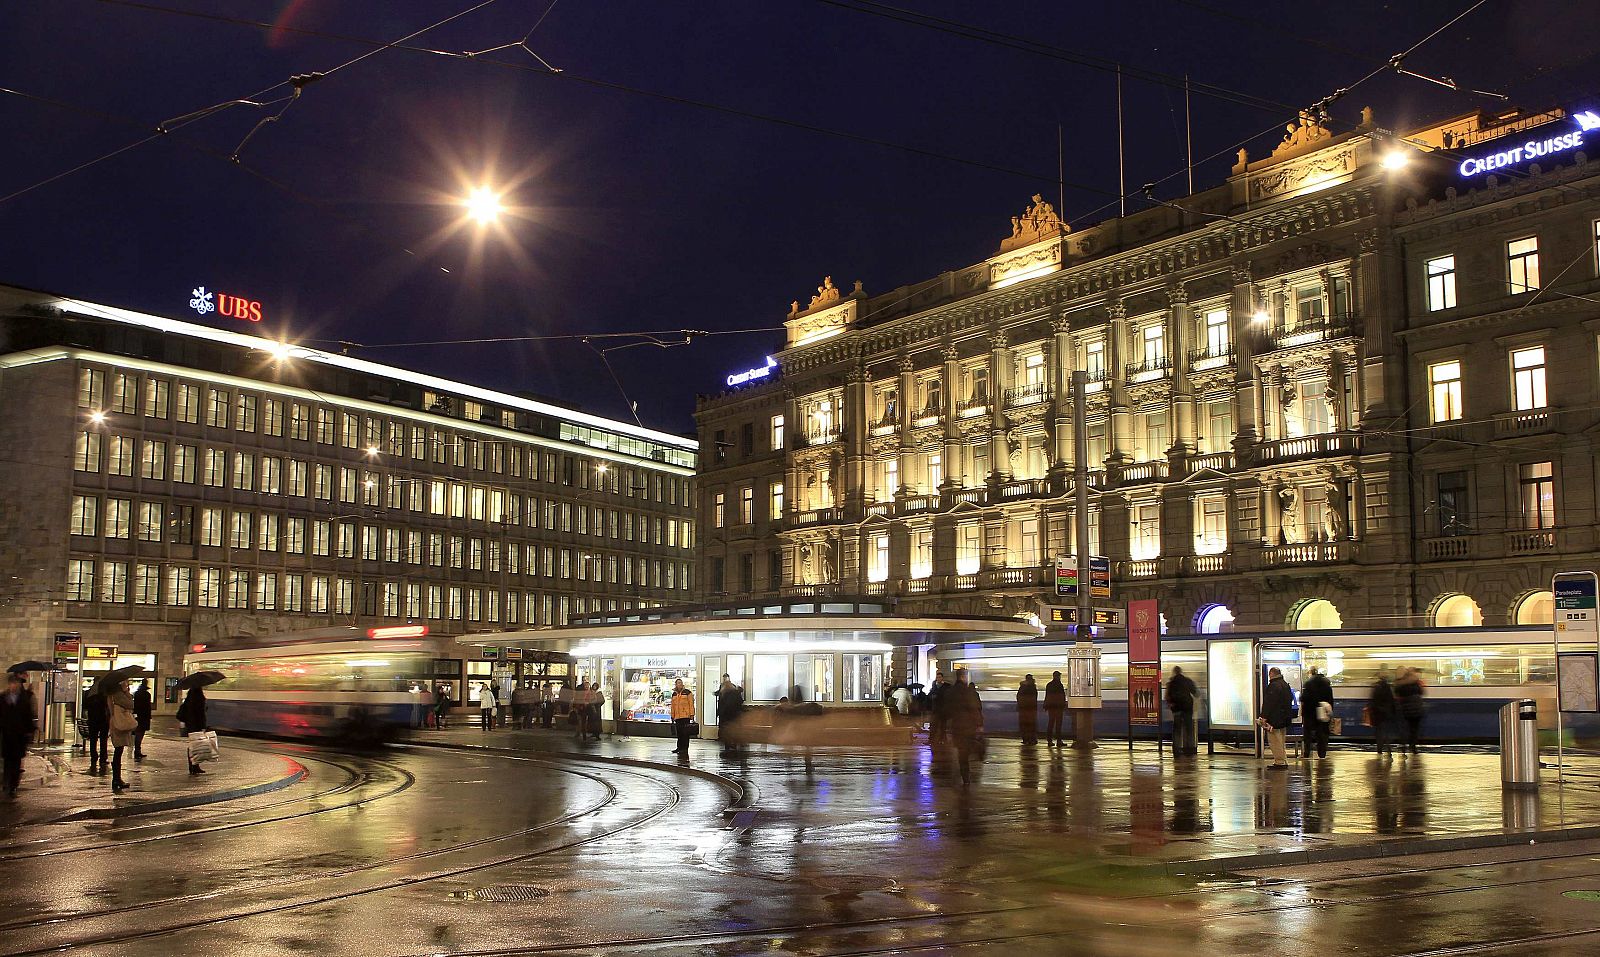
pixel 1144 663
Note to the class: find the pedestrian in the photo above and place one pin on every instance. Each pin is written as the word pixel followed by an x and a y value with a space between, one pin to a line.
pixel 122 725
pixel 441 706
pixel 1408 693
pixel 1055 705
pixel 597 705
pixel 1316 712
pixel 97 721
pixel 730 706
pixel 902 700
pixel 523 702
pixel 965 725
pixel 486 705
pixel 1276 714
pixel 682 715
pixel 17 725
pixel 547 705
pixel 143 708
pixel 192 716
pixel 936 708
pixel 1181 695
pixel 1380 715
pixel 579 709
pixel 503 695
pixel 1028 710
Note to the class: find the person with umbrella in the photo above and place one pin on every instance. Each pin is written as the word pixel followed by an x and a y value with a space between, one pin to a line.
pixel 122 724
pixel 192 712
pixel 97 726
pixel 143 708
pixel 17 725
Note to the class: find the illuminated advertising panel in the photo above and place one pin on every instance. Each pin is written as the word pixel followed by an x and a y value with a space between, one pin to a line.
pixel 1230 684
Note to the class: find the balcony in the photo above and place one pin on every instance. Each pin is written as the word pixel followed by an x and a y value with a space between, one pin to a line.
pixel 1532 542
pixel 876 589
pixel 925 417
pixel 1206 357
pixel 1448 548
pixel 821 436
pixel 1022 488
pixel 1027 394
pixel 964 582
pixel 1149 370
pixel 974 406
pixel 1217 461
pixel 1286 335
pixel 966 496
pixel 919 586
pixel 1030 576
pixel 1152 471
pixel 1307 553
pixel 1528 422
pixel 1218 564
pixel 1141 568
pixel 1309 446
pixel 818 516
pixel 918 503
pixel 880 509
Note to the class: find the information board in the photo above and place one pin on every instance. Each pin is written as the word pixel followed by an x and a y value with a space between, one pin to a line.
pixel 1575 681
pixel 1230 684
pixel 1576 620
pixel 1066 576
pixel 1144 663
pixel 1099 576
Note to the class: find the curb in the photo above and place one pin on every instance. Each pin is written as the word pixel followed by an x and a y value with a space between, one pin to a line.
pixel 744 792
pixel 194 800
pixel 1357 852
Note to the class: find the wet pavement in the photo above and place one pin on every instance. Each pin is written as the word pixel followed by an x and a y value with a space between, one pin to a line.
pixel 619 848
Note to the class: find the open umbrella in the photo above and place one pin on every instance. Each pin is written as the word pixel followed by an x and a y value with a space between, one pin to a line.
pixel 116 676
pixel 22 666
pixel 199 679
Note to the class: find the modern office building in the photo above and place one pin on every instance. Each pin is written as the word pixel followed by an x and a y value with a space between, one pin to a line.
pixel 1354 385
pixel 171 483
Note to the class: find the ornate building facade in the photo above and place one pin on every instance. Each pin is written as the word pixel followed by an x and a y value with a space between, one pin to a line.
pixel 1264 449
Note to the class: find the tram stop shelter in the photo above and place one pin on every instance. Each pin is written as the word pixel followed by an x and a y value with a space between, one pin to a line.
pixel 837 654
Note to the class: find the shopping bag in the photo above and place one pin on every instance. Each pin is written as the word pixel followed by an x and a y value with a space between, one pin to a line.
pixel 203 747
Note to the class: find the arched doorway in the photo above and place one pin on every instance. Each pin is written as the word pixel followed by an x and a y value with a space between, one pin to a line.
pixel 1457 611
pixel 1535 608
pixel 1315 614
pixel 1213 620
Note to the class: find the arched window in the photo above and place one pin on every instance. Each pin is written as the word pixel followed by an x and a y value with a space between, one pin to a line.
pixel 1316 614
pixel 1536 608
pixel 1457 611
pixel 1213 620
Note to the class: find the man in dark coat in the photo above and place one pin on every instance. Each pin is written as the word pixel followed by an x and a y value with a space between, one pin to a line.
pixel 1181 695
pixel 97 719
pixel 17 724
pixel 1277 713
pixel 143 708
pixel 730 706
pixel 1380 714
pixel 1318 691
pixel 1055 705
pixel 1028 710
pixel 965 711
pixel 938 708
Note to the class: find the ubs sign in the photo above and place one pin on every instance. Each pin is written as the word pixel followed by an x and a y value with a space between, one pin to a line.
pixel 204 301
pixel 1587 121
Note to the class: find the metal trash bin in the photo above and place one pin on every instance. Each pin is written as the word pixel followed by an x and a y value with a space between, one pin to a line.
pixel 1519 744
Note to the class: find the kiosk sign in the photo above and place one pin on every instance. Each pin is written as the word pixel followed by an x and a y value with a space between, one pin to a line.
pixel 1066 576
pixel 1575 608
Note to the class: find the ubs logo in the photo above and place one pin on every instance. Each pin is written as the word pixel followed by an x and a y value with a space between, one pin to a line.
pixel 203 301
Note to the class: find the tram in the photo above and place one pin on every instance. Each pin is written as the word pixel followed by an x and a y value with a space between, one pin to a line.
pixel 1468 672
pixel 341 682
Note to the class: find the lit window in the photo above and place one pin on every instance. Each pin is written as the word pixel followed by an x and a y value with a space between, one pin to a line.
pixel 1538 495
pixel 1217 339
pixel 1146 521
pixel 747 505
pixel 879 569
pixel 80 579
pixel 1522 260
pixel 1094 360
pixel 777 433
pixel 1527 378
pixel 1211 525
pixel 719 510
pixel 1441 283
pixel 1155 346
pixel 969 548
pixel 776 503
pixel 1444 390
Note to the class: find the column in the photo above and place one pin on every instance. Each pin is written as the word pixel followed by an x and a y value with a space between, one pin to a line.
pixel 856 429
pixel 1121 425
pixel 1061 363
pixel 1246 336
pixel 952 431
pixel 1180 334
pixel 907 412
pixel 794 430
pixel 999 378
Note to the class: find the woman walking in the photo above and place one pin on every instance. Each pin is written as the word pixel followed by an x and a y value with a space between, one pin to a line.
pixel 123 724
pixel 682 715
pixel 192 715
pixel 1408 693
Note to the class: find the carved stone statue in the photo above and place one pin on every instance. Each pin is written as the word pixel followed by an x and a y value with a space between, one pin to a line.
pixel 826 293
pixel 829 569
pixel 832 478
pixel 808 569
pixel 1305 131
pixel 1335 510
pixel 1335 403
pixel 1038 222
pixel 1289 515
pixel 1013 451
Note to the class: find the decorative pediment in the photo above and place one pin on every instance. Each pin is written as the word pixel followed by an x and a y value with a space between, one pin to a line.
pixel 813 325
pixel 1039 222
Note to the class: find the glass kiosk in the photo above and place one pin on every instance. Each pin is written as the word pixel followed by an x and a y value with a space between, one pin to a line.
pixel 1236 679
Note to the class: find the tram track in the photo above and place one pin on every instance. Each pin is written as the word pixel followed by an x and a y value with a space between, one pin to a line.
pixel 673 797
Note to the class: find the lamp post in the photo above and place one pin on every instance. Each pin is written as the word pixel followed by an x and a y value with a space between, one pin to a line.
pixel 1083 659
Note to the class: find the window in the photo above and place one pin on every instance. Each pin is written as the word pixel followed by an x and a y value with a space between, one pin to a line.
pixel 86 452
pixel 774 502
pixel 216 470
pixel 747 505
pixel 266 591
pixel 1522 261
pixel 244 471
pixel 1033 371
pixel 719 510
pixel 1216 332
pixel 238 589
pixel 119 461
pixel 769 677
pixel 180 524
pixel 1151 438
pixel 156 398
pixel 151 521
pixel 180 585
pixel 1217 426
pixel 1146 532
pixel 217 409
pixel 294 592
pixel 776 433
pixel 969 548
pixel 153 464
pixel 80 579
pixel 85 515
pixel 91 390
pixel 209 594
pixel 1444 390
pixel 272 420
pixel 1451 505
pixel 1538 487
pixel 119 518
pixel 183 463
pixel 146 584
pixel 878 567
pixel 188 405
pixel 239 535
pixel 114 582
pixel 1028 553
pixel 211 526
pixel 813 677
pixel 1094 360
pixel 244 418
pixel 299 428
pixel 294 536
pixel 1527 378
pixel 1441 283
pixel 1211 525
pixel 1154 354
pixel 124 392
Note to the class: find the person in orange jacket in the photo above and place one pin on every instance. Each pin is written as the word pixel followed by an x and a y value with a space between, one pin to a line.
pixel 682 715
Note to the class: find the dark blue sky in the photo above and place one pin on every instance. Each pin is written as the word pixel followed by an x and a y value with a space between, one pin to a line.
pixel 640 213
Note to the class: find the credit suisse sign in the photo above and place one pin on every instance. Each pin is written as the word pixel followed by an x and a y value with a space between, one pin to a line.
pixel 753 375
pixel 203 301
pixel 1586 122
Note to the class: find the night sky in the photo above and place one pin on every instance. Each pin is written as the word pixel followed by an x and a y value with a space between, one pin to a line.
pixel 634 212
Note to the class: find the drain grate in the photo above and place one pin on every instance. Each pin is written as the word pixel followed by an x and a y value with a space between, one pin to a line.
pixel 506 894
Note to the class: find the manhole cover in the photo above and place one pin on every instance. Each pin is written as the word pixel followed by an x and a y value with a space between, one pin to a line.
pixel 505 894
pixel 1582 895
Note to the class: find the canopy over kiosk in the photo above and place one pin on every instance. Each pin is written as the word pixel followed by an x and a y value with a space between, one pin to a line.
pixel 1236 678
pixel 836 654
